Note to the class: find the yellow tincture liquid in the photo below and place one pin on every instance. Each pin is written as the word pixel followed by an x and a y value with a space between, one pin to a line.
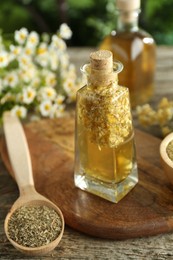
pixel 110 165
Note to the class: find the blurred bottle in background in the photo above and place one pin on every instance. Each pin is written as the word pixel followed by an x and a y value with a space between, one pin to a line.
pixel 136 49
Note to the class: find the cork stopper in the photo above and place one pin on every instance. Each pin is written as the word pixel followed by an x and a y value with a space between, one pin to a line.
pixel 128 5
pixel 101 60
pixel 101 65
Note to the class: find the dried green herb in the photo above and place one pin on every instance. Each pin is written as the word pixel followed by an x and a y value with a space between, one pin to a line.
pixel 34 226
pixel 169 150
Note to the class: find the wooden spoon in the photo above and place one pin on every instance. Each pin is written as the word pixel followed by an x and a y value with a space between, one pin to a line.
pixel 21 163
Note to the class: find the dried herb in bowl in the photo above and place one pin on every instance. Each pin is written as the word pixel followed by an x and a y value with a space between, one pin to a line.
pixel 34 226
pixel 169 150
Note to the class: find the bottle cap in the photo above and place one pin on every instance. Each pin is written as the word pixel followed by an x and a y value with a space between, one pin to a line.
pixel 128 5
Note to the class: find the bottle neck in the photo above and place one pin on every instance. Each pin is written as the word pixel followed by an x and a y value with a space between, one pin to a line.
pixel 128 20
pixel 99 78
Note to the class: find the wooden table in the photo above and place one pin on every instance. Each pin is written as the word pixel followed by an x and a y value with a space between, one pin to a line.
pixel 75 245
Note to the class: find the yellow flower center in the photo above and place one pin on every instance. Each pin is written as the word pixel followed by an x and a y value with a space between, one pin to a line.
pixel 2 59
pixel 28 51
pixel 47 107
pixel 70 84
pixel 41 50
pixel 33 39
pixel 52 81
pixel 22 36
pixel 16 51
pixel 18 113
pixel 59 101
pixel 49 93
pixel 30 94
pixel 11 79
pixel 24 61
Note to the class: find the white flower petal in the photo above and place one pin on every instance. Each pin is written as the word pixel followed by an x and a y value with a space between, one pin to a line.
pixel 20 36
pixel 4 59
pixel 28 95
pixel 45 108
pixel 65 31
pixel 19 111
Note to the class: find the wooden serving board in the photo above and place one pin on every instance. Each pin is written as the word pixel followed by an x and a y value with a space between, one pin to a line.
pixel 146 210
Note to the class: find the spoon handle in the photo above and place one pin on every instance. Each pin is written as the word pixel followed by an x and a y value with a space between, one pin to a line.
pixel 18 151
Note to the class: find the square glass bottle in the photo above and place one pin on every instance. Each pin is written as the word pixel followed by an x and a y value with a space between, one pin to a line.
pixel 105 159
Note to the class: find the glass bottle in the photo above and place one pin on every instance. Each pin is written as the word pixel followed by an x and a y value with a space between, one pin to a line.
pixel 105 160
pixel 136 49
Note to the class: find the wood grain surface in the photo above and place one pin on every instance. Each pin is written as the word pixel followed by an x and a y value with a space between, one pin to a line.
pixel 146 210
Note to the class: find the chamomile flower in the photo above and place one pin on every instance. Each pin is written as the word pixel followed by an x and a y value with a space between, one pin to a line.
pixel 64 60
pixel 27 75
pixel 20 36
pixel 19 111
pixel 4 60
pixel 24 61
pixel 28 95
pixel 58 43
pixel 59 99
pixel 53 61
pixel 161 116
pixel 35 83
pixel 8 97
pixel 72 72
pixel 71 97
pixel 19 97
pixel 59 112
pixel 33 39
pixel 146 114
pixel 65 31
pixel 68 85
pixel 11 80
pixel 164 115
pixel 15 50
pixel 50 79
pixel 43 60
pixel 28 50
pixel 45 108
pixel 48 93
pixel 42 49
pixel 34 72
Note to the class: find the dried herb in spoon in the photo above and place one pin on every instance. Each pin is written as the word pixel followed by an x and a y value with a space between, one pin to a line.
pixel 34 226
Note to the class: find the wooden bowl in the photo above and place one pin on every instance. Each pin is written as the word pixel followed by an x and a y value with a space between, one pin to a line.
pixel 166 162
